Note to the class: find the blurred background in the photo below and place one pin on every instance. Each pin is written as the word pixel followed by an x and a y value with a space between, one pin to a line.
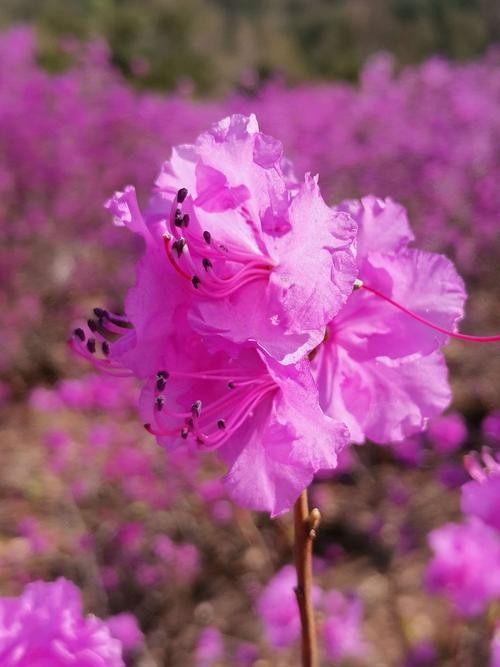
pixel 214 43
pixel 394 98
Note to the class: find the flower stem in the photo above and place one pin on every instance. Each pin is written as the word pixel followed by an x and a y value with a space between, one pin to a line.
pixel 305 524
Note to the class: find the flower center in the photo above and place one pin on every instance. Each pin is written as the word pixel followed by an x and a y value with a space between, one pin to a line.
pixel 210 424
pixel 215 269
pixel 103 330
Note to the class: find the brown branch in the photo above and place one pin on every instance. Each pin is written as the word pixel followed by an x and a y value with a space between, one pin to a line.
pixel 305 525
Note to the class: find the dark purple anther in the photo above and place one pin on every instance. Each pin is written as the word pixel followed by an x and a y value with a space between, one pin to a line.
pixel 178 221
pixel 185 220
pixel 91 345
pixel 79 333
pixel 181 195
pixel 196 281
pixel 92 325
pixel 221 424
pixel 178 246
pixel 105 348
pixel 207 264
pixel 184 433
pixel 163 374
pixel 196 408
pixel 207 236
pixel 160 384
pixel 230 385
pixel 101 313
pixel 159 403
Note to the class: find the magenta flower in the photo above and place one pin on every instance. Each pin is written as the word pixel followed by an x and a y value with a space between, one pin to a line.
pixel 447 433
pixel 278 610
pixel 239 231
pixel 45 627
pixel 210 648
pixel 342 626
pixel 491 428
pixel 481 496
pixel 466 565
pixel 263 418
pixel 495 649
pixel 379 370
pixel 125 628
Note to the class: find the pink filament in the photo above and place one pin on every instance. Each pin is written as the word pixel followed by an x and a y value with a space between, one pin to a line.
pixel 255 266
pixel 246 393
pixel 422 320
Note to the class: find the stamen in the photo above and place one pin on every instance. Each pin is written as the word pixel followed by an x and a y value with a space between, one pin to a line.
pixel 101 313
pixel 178 246
pixel 91 345
pixel 105 348
pixel 80 333
pixel 207 427
pixel 186 253
pixel 422 320
pixel 181 195
pixel 92 325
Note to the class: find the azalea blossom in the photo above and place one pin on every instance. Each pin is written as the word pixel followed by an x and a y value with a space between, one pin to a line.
pixel 342 626
pixel 278 610
pixel 340 629
pixel 495 648
pixel 378 369
pixel 45 627
pixel 237 228
pixel 465 565
pixel 263 418
pixel 481 496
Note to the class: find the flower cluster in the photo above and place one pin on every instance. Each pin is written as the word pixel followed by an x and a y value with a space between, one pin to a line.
pixel 341 617
pixel 244 327
pixel 46 626
pixel 129 472
pixel 466 562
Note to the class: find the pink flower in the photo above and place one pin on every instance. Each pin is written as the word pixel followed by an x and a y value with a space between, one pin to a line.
pixel 491 427
pixel 495 649
pixel 263 418
pixel 342 626
pixel 277 607
pixel 447 433
pixel 125 628
pixel 229 221
pixel 378 370
pixel 481 496
pixel 466 565
pixel 210 648
pixel 44 627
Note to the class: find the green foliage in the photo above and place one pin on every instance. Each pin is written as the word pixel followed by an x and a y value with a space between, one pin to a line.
pixel 215 43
